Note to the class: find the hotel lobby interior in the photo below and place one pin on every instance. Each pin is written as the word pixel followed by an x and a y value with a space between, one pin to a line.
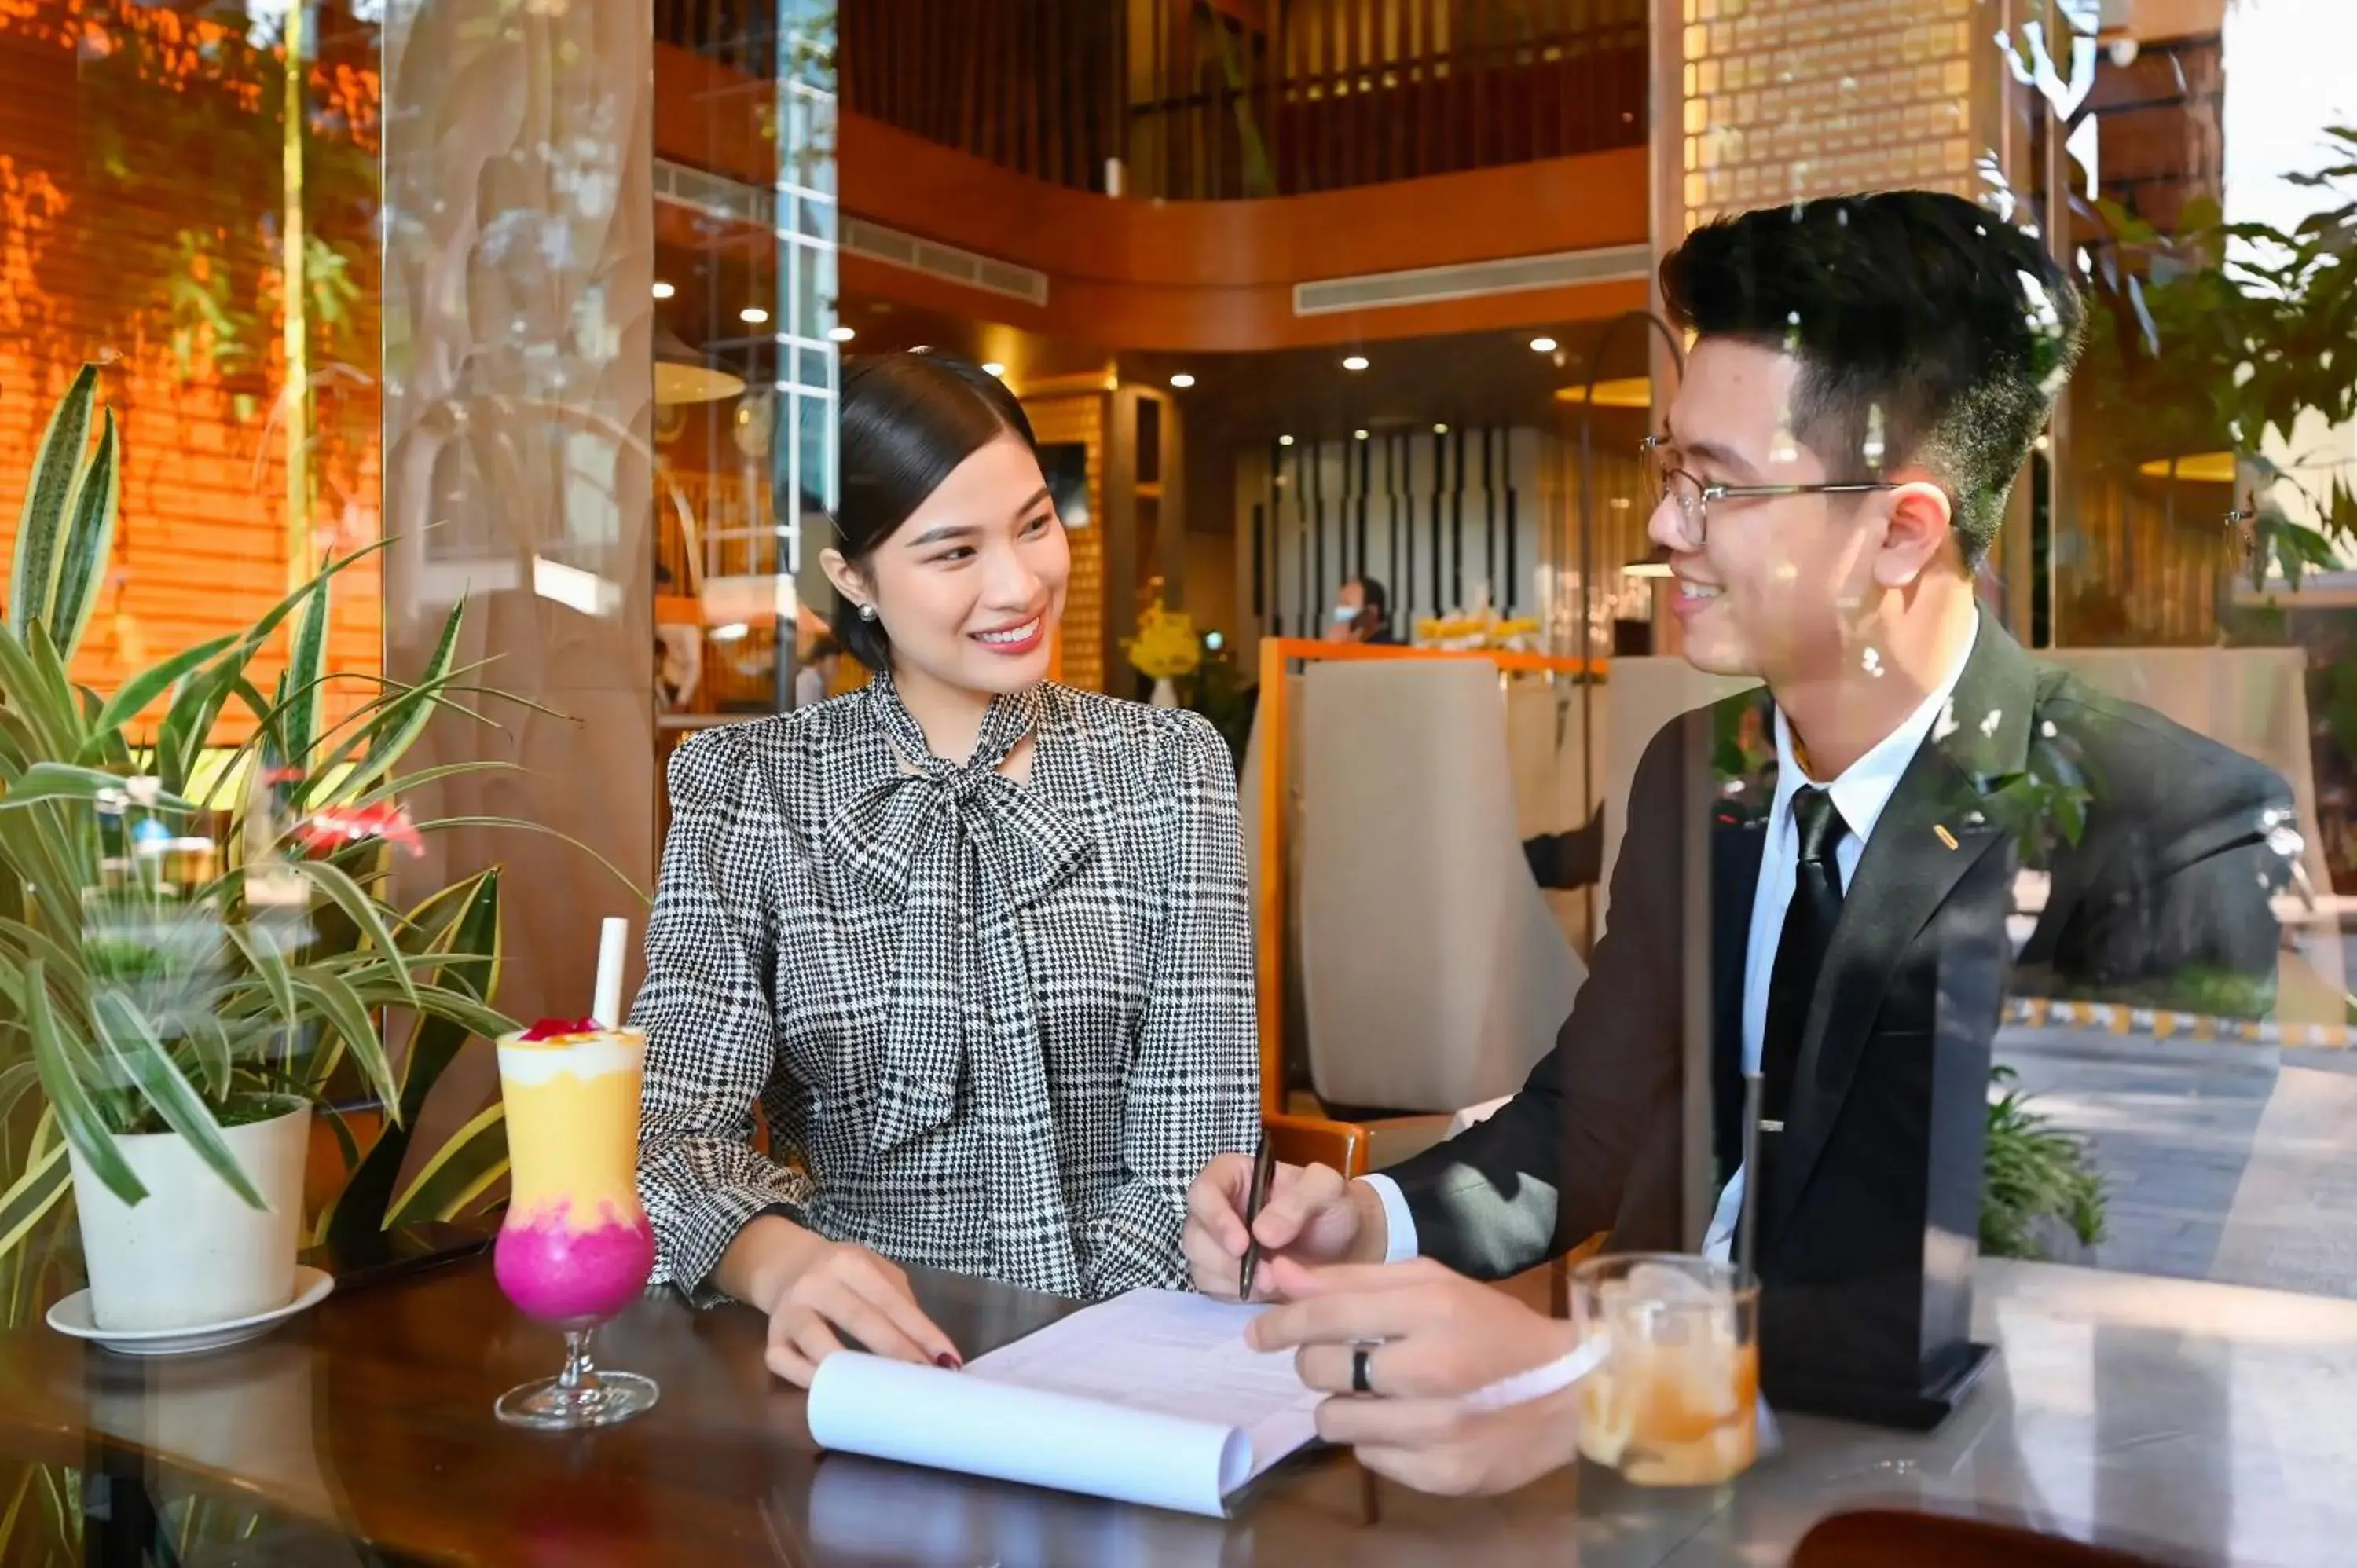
pixel 378 379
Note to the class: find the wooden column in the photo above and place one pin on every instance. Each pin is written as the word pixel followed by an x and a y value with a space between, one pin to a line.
pixel 518 402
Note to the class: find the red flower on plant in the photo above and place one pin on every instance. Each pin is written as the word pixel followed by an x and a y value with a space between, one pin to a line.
pixel 332 827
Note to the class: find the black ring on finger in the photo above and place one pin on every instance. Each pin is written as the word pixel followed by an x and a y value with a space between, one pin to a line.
pixel 1362 1382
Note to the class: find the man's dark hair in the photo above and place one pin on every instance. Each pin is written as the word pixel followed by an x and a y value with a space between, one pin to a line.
pixel 1928 330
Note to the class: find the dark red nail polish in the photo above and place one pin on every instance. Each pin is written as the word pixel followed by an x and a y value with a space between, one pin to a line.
pixel 947 1361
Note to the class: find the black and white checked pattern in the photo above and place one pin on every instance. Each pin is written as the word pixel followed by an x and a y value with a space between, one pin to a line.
pixel 1001 1026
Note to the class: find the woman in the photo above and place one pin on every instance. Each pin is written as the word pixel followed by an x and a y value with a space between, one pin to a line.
pixel 977 944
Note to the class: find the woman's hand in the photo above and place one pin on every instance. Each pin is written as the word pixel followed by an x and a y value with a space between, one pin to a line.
pixel 818 1293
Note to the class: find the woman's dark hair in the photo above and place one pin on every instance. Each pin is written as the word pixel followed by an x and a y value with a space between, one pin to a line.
pixel 908 420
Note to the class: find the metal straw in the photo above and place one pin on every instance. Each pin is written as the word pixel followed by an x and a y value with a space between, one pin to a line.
pixel 1747 1222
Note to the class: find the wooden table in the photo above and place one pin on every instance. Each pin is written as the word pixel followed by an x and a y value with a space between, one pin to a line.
pixel 2210 1419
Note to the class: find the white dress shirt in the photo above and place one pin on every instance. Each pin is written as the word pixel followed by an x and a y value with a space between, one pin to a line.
pixel 1860 792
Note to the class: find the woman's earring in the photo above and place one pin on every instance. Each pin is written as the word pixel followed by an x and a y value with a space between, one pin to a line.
pixel 868 612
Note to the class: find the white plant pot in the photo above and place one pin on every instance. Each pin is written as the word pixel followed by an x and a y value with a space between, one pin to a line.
pixel 191 1252
pixel 1166 695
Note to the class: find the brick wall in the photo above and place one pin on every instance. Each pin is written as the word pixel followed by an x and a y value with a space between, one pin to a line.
pixel 85 266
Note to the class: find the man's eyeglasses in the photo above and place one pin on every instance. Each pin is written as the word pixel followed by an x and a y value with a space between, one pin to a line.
pixel 1665 480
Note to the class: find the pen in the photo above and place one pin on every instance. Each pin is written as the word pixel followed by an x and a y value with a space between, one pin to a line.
pixel 1263 1166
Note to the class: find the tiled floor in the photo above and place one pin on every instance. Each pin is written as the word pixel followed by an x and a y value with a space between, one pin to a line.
pixel 2224 1162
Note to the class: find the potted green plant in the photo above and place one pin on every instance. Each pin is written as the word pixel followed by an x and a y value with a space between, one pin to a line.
pixel 2040 1188
pixel 195 947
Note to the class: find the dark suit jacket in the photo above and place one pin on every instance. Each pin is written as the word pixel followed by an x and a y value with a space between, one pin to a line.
pixel 2163 898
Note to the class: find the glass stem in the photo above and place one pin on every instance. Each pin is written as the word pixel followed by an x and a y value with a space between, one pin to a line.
pixel 580 1373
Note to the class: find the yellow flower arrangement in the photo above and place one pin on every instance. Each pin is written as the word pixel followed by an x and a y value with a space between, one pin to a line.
pixel 1464 633
pixel 1166 647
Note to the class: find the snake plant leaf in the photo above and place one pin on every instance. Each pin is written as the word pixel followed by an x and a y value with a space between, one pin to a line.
pixel 330 998
pixel 62 1080
pixel 133 695
pixel 273 970
pixel 269 624
pixel 31 1197
pixel 461 920
pixel 361 910
pixel 128 1035
pixel 47 708
pixel 88 542
pixel 519 826
pixel 70 781
pixel 395 727
pixel 180 739
pixel 57 683
pixel 468 1165
pixel 40 525
pixel 304 682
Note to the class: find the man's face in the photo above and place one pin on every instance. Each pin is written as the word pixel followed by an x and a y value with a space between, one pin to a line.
pixel 1778 581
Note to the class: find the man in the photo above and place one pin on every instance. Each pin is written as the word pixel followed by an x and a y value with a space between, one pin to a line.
pixel 1869 375
pixel 1362 613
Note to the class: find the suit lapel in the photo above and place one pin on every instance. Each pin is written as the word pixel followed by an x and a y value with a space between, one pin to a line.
pixel 1928 837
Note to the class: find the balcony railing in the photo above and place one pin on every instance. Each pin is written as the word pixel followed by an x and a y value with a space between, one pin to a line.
pixel 1198 99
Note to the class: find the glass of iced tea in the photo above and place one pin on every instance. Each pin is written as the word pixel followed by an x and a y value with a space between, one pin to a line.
pixel 1676 1402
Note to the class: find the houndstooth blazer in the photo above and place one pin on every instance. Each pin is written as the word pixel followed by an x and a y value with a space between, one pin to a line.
pixel 1000 1026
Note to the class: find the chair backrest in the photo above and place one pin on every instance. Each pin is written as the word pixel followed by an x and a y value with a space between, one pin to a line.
pixel 1647 693
pixel 1434 974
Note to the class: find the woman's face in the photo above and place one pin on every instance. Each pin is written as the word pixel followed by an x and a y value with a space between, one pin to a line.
pixel 970 588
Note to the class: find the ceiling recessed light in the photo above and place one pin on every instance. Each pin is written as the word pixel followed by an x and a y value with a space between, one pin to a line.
pixel 1440 430
pixel 1358 435
pixel 1285 441
pixel 1541 345
pixel 993 368
pixel 752 315
pixel 841 334
pixel 1182 381
pixel 1355 362
pixel 664 290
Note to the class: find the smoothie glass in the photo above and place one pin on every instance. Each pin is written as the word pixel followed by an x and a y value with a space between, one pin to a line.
pixel 575 1248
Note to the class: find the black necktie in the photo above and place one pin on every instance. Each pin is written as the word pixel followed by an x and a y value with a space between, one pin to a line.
pixel 1809 921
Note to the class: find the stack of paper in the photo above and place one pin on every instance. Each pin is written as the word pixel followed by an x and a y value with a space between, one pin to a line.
pixel 1150 1397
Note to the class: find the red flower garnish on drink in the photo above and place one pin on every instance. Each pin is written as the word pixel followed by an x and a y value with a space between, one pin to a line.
pixel 553 1029
pixel 330 828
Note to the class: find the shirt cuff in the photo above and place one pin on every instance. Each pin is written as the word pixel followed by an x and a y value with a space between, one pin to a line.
pixel 1399 1224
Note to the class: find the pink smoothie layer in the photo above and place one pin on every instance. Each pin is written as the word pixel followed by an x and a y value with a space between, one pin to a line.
pixel 558 1274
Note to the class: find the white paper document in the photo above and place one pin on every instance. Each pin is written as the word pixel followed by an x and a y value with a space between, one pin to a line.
pixel 1152 1397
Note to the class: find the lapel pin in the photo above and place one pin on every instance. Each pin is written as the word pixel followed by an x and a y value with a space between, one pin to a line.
pixel 1945 836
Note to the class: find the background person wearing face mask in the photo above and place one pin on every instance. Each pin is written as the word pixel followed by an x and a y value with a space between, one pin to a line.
pixel 1869 376
pixel 1362 613
pixel 975 945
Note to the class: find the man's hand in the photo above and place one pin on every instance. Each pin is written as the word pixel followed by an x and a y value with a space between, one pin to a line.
pixel 1311 1216
pixel 1437 1337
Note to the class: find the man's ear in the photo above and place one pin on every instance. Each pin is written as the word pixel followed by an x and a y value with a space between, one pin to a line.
pixel 1921 526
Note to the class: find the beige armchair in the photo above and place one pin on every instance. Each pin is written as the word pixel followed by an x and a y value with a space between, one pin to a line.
pixel 1434 974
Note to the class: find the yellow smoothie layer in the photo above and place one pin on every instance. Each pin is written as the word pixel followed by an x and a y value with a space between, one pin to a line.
pixel 573 1124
